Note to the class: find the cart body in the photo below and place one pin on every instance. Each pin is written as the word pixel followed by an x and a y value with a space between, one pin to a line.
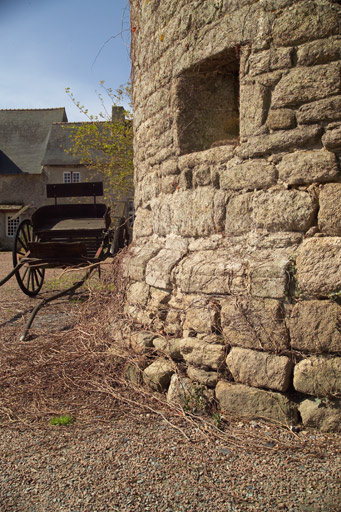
pixel 61 235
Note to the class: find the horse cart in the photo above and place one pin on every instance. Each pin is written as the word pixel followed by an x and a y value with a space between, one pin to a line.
pixel 72 235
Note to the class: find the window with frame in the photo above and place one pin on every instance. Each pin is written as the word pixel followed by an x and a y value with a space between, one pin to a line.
pixel 72 177
pixel 11 225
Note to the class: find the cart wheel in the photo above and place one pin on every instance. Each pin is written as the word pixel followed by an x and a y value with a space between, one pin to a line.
pixel 29 279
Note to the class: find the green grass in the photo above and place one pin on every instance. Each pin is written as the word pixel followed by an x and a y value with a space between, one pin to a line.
pixel 62 420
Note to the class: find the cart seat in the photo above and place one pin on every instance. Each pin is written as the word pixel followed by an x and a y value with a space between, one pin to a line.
pixel 71 224
pixel 71 218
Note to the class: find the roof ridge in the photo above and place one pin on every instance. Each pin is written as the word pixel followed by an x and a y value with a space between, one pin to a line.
pixel 78 122
pixel 29 109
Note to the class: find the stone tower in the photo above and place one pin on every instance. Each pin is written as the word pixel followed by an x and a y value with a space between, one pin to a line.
pixel 237 245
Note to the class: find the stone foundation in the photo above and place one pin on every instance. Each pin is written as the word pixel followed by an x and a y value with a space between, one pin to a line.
pixel 236 258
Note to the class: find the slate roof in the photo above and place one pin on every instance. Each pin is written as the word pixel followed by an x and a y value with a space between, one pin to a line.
pixel 60 140
pixel 7 166
pixel 23 138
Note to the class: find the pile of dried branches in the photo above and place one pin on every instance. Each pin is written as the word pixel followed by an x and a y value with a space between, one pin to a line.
pixel 82 372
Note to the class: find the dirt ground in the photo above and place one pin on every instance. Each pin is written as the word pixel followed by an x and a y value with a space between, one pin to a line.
pixel 121 456
pixel 15 306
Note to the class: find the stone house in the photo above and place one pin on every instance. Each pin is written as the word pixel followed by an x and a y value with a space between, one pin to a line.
pixel 24 136
pixel 237 253
pixel 33 152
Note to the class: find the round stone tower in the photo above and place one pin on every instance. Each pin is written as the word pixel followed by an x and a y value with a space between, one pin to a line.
pixel 236 257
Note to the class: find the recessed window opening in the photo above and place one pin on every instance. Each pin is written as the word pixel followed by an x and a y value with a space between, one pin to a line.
pixel 208 103
pixel 11 225
pixel 72 177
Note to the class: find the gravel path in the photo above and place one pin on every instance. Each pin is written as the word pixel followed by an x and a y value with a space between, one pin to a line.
pixel 140 462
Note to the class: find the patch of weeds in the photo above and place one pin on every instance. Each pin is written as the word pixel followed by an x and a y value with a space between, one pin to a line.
pixel 103 286
pixel 217 420
pixel 326 402
pixel 335 296
pixel 78 299
pixel 56 283
pixel 62 420
pixel 196 401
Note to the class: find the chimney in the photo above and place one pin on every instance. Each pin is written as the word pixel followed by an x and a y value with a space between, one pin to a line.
pixel 117 114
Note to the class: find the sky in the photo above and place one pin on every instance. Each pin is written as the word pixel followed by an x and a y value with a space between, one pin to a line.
pixel 49 45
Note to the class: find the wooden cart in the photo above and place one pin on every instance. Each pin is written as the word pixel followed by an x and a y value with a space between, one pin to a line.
pixel 66 235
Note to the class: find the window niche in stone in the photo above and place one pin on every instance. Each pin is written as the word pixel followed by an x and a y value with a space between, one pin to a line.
pixel 208 103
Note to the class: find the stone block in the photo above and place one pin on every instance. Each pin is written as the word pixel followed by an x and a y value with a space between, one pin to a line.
pixel 158 374
pixel 243 401
pixel 260 369
pixel 319 52
pixel 212 272
pixel 269 273
pixel 325 417
pixel 158 269
pixel 148 188
pixel 189 213
pixel 254 323
pixel 301 85
pixel 239 214
pixel 138 314
pixel 143 223
pixel 269 80
pixel 170 168
pixel 215 339
pixel 269 60
pixel 158 299
pixel 208 157
pixel 201 316
pixel 173 323
pixel 176 243
pixel 170 346
pixel 138 293
pixel 249 175
pixel 169 184
pixel 329 217
pixel 280 140
pixel 283 210
pixel 281 119
pixel 204 377
pixel 313 326
pixel 199 353
pixel 134 374
pixel 135 262
pixel 142 341
pixel 303 22
pixel 304 167
pixel 275 5
pixel 253 97
pixel 323 110
pixel 212 242
pixel 319 267
pixel 318 376
pixel 332 138
pixel 265 241
pixel 180 390
pixel 202 176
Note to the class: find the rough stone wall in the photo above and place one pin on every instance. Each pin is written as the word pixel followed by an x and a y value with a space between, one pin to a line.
pixel 237 250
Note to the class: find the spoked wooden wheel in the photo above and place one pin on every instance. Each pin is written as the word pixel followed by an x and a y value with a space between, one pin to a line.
pixel 29 279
